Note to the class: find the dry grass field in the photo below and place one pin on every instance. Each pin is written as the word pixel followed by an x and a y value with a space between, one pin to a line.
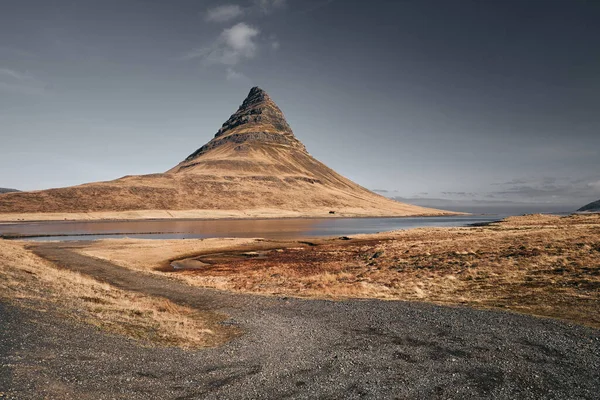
pixel 541 265
pixel 213 214
pixel 30 281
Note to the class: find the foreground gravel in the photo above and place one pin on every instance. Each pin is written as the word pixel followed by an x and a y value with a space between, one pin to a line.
pixel 298 349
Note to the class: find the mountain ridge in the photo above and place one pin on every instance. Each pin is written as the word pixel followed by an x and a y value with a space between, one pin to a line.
pixel 593 206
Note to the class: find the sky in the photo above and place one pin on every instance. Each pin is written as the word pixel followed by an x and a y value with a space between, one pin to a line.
pixel 475 104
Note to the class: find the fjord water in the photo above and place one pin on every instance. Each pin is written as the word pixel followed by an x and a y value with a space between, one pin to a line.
pixel 194 229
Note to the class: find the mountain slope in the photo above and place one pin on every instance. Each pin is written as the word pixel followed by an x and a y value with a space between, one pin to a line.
pixel 254 163
pixel 7 190
pixel 593 206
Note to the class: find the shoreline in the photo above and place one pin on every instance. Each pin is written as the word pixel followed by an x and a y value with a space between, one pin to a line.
pixel 124 231
pixel 19 218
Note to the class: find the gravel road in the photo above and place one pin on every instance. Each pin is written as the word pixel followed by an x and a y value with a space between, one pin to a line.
pixel 297 349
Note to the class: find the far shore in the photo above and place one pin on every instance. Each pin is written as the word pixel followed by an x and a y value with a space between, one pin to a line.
pixel 206 215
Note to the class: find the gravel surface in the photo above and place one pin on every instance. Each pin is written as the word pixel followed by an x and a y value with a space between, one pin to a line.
pixel 297 348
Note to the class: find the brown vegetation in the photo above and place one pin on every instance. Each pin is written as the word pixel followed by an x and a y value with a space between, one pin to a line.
pixel 31 281
pixel 542 265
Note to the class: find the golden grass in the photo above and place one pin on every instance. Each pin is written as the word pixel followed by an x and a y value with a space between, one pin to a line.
pixel 542 265
pixel 266 180
pixel 29 280
pixel 149 255
pixel 211 214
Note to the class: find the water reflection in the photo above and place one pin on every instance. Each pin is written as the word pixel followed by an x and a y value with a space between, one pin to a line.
pixel 266 228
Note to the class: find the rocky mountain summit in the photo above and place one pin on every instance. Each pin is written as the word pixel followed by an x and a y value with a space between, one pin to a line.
pixel 592 207
pixel 258 119
pixel 253 166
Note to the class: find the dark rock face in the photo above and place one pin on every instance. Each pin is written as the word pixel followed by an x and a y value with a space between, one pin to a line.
pixel 594 206
pixel 7 190
pixel 258 119
pixel 239 138
pixel 257 108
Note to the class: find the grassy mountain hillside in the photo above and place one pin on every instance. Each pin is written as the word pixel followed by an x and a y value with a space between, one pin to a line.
pixel 254 162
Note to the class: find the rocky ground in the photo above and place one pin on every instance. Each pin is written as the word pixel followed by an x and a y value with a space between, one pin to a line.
pixel 297 348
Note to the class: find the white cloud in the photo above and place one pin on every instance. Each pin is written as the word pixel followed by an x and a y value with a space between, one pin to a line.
pixel 224 13
pixel 232 46
pixel 240 37
pixel 241 41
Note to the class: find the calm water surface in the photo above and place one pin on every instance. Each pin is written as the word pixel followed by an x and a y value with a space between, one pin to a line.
pixel 193 229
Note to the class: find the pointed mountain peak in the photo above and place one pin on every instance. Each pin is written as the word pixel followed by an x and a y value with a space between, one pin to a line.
pixel 256 91
pixel 258 113
pixel 257 121
pixel 255 98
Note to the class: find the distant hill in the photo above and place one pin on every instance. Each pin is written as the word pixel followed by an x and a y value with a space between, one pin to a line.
pixel 254 163
pixel 7 190
pixel 594 206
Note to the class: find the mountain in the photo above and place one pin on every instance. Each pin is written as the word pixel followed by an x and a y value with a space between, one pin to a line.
pixel 594 206
pixel 254 166
pixel 7 190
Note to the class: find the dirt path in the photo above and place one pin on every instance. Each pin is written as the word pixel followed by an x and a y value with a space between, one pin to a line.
pixel 298 349
pixel 127 279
